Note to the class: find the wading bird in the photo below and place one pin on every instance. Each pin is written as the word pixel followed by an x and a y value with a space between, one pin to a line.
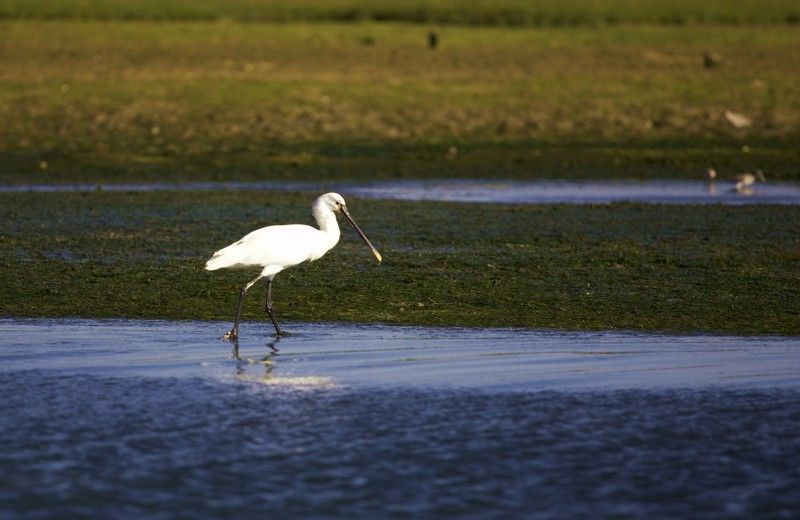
pixel 274 248
pixel 745 181
pixel 711 176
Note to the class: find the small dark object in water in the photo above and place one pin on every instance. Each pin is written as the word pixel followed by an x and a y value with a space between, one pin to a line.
pixel 433 39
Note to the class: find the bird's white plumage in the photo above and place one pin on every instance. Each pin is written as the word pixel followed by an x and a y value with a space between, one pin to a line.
pixel 275 248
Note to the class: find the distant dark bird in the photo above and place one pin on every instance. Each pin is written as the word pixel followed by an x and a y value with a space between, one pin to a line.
pixel 433 39
pixel 710 60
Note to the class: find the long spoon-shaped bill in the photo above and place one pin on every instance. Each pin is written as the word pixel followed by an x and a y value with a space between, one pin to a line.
pixel 361 234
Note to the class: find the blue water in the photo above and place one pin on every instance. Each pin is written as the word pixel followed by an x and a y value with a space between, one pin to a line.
pixel 120 419
pixel 580 192
pixel 497 191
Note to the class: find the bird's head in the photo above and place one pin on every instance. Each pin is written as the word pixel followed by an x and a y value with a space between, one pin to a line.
pixel 335 203
pixel 331 201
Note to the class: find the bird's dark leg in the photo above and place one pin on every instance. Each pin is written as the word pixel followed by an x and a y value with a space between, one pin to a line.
pixel 233 334
pixel 268 305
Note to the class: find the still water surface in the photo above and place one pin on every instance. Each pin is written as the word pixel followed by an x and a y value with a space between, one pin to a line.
pixel 123 418
pixel 481 190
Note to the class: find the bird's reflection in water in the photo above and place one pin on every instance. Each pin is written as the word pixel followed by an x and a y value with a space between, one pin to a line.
pixel 266 360
pixel 270 376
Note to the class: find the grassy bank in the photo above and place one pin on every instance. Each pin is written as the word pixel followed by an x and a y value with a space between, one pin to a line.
pixel 727 269
pixel 120 101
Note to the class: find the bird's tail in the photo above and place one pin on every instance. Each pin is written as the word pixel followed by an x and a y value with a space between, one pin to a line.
pixel 217 261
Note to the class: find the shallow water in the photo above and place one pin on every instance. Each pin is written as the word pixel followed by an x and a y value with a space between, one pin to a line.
pixel 581 192
pixel 124 418
pixel 516 192
pixel 356 356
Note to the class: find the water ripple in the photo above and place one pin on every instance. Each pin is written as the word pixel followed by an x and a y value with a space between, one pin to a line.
pixel 127 418
pixel 123 447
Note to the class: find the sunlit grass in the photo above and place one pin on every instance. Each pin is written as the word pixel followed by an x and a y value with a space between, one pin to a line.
pixel 119 100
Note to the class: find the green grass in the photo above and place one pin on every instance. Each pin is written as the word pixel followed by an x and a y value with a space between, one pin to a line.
pixel 480 12
pixel 121 101
pixel 726 269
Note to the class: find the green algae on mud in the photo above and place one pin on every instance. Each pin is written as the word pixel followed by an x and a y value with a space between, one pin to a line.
pixel 626 266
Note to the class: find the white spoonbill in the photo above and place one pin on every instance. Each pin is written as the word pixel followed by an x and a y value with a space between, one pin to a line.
pixel 274 248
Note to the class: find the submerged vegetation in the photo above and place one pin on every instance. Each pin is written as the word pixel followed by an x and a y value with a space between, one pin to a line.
pixel 718 268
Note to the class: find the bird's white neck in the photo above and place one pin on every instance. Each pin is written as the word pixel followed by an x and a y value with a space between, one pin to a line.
pixel 326 220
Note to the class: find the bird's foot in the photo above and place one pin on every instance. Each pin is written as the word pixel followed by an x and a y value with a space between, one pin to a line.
pixel 232 335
